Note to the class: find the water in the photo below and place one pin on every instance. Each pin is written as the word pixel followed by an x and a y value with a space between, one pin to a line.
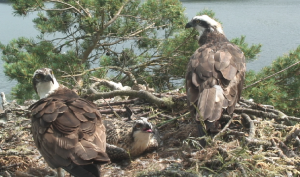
pixel 11 28
pixel 273 23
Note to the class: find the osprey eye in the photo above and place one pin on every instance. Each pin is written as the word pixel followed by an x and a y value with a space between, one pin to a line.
pixel 138 126
pixel 51 72
pixel 38 76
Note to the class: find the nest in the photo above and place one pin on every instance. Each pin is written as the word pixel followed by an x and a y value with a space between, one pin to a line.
pixel 257 140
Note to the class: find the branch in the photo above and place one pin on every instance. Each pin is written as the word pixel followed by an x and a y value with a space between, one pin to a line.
pixel 77 10
pixel 250 125
pixel 271 75
pixel 127 72
pixel 110 84
pixel 132 93
pixel 116 16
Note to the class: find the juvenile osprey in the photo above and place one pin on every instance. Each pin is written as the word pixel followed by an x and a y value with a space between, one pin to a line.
pixel 215 74
pixel 67 129
pixel 129 138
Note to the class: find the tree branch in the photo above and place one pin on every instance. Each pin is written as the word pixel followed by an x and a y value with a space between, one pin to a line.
pixel 164 102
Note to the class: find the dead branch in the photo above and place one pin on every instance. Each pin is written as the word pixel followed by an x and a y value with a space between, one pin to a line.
pixel 292 135
pixel 119 102
pixel 250 125
pixel 225 127
pixel 111 111
pixel 257 113
pixel 164 102
pixel 10 166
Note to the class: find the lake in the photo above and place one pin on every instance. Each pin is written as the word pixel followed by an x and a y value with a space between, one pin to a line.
pixel 273 23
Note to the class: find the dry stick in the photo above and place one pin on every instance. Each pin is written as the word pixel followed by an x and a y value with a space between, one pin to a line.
pixel 118 102
pixel 115 113
pixel 168 121
pixel 256 113
pixel 293 134
pixel 225 127
pixel 271 75
pixel 251 124
pixel 133 93
pixel 9 166
pixel 243 171
pixel 281 154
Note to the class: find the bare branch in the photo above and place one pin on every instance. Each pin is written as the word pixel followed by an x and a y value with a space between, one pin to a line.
pixel 115 16
pixel 77 10
pixel 271 75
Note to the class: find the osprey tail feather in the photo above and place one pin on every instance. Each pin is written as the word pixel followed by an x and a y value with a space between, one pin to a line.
pixel 210 104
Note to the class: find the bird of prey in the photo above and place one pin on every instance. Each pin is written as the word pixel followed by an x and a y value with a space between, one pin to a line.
pixel 67 130
pixel 215 75
pixel 129 138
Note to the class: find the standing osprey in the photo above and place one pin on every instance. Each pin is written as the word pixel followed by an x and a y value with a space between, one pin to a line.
pixel 130 138
pixel 67 130
pixel 215 75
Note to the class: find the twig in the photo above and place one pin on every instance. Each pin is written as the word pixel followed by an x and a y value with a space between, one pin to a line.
pixel 168 121
pixel 256 142
pixel 243 171
pixel 256 113
pixel 116 114
pixel 281 154
pixel 119 102
pixel 271 75
pixel 225 127
pixel 165 102
pixel 10 166
pixel 292 135
pixel 110 111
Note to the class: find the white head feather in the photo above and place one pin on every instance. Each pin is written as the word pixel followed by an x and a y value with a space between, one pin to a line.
pixel 210 21
pixel 45 88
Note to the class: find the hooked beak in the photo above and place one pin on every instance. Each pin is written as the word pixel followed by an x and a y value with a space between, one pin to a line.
pixel 189 25
pixel 49 77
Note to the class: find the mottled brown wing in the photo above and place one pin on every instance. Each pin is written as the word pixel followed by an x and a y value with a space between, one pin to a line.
pixel 213 65
pixel 119 133
pixel 68 131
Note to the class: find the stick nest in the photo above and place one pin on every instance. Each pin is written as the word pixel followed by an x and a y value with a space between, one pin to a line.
pixel 257 140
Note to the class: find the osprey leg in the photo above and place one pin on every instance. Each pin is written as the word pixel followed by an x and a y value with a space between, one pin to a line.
pixel 201 133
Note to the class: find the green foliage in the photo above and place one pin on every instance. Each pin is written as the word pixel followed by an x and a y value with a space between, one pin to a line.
pixel 145 38
pixel 249 52
pixel 280 90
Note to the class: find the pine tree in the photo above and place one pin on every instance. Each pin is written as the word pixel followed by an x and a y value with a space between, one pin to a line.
pixel 127 41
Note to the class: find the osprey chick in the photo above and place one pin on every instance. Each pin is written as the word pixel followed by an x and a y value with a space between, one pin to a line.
pixel 134 137
pixel 67 130
pixel 215 75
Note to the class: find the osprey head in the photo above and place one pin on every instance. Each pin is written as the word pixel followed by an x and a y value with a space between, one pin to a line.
pixel 204 22
pixel 142 126
pixel 44 82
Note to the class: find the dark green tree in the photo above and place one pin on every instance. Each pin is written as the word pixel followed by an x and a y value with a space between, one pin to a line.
pixel 280 90
pixel 128 41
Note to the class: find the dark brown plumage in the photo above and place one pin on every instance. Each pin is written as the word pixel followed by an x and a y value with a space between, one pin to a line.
pixel 215 74
pixel 67 129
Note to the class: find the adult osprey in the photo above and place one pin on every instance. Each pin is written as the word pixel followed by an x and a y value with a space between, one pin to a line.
pixel 215 74
pixel 67 129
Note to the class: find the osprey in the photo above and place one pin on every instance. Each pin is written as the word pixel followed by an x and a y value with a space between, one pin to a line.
pixel 133 137
pixel 67 130
pixel 215 75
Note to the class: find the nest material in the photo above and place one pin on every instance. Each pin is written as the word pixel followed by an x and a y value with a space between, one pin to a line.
pixel 257 140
